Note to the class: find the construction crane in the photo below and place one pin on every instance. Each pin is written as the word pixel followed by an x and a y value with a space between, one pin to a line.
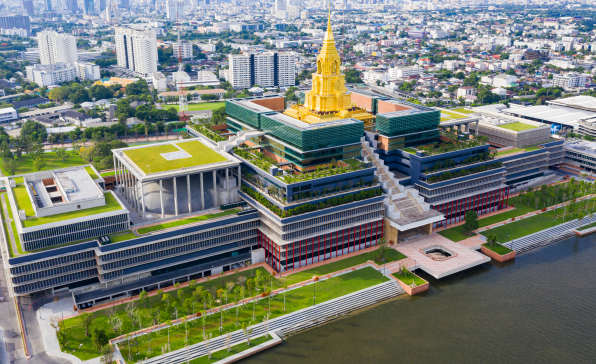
pixel 182 101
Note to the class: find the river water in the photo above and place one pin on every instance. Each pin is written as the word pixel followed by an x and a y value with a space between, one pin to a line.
pixel 539 308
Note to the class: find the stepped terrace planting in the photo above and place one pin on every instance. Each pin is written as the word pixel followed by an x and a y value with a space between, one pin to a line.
pixel 208 133
pixel 307 207
pixel 202 299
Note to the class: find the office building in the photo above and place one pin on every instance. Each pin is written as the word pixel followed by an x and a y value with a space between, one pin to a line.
pixel 174 9
pixel 48 5
pixel 87 71
pixel 403 72
pixel 28 6
pixel 124 4
pixel 569 80
pixel 8 114
pixel 51 74
pixel 267 69
pixel 15 21
pixel 184 49
pixel 89 7
pixel 57 48
pixel 136 51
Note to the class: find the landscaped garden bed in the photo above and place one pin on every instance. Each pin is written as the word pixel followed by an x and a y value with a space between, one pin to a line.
pixel 197 298
pixel 497 252
pixel 410 282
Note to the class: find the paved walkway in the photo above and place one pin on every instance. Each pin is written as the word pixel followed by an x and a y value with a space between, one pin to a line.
pixel 10 234
pixel 462 258
pixel 58 309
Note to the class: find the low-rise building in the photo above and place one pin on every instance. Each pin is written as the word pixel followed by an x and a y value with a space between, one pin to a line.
pixel 403 72
pixel 159 81
pixel 8 114
pixel 87 71
pixel 51 74
pixel 569 80
pixel 466 91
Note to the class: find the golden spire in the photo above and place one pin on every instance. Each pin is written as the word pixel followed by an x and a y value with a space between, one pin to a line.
pixel 328 49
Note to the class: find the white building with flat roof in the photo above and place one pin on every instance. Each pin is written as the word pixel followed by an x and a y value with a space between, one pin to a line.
pixel 267 69
pixel 136 51
pixel 87 71
pixel 159 81
pixel 57 48
pixel 8 114
pixel 403 72
pixel 569 80
pixel 51 74
pixel 183 49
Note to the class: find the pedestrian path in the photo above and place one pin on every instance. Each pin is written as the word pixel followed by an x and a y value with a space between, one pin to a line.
pixel 290 323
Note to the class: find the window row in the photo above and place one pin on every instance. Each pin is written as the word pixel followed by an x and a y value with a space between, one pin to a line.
pixel 74 236
pixel 178 241
pixel 54 271
pixel 65 229
pixel 40 285
pixel 65 259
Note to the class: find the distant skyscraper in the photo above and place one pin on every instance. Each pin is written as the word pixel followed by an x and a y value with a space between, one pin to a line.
pixel 102 5
pixel 136 50
pixel 124 4
pixel 89 7
pixel 72 5
pixel 49 5
pixel 28 6
pixel 16 22
pixel 174 9
pixel 57 48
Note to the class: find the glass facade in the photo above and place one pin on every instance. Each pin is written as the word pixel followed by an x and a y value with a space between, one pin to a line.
pixel 400 123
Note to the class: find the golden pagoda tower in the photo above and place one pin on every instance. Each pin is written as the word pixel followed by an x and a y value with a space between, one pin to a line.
pixel 329 99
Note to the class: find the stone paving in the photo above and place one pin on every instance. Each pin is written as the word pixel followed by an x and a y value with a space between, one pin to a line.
pixel 463 258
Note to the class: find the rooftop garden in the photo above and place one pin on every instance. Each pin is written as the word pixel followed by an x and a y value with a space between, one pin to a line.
pixel 257 158
pixel 497 248
pixel 127 235
pixel 454 145
pixel 450 163
pixel 409 150
pixel 464 111
pixel 463 172
pixel 111 205
pixel 334 168
pixel 330 202
pixel 527 148
pixel 190 220
pixel 518 126
pixel 408 277
pixel 91 172
pixel 150 159
pixel 79 335
pixel 208 133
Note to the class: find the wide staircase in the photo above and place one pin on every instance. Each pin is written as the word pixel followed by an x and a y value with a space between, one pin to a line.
pixel 403 204
pixel 293 322
pixel 237 140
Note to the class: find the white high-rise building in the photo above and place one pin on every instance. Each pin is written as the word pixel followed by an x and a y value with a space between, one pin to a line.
pixel 51 74
pixel 240 71
pixel 569 80
pixel 136 51
pixel 57 48
pixel 184 49
pixel 175 9
pixel 268 69
pixel 87 71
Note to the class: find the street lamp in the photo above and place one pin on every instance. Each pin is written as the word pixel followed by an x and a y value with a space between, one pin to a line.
pixel 148 166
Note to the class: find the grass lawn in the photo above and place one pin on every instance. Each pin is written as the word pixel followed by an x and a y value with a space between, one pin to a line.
pixel 222 354
pixel 15 234
pixel 585 227
pixel 409 150
pixel 530 225
pixel 199 106
pixel 392 256
pixel 510 151
pixel 407 279
pixel 19 180
pixel 122 237
pixel 111 205
pixel 457 233
pixel 150 158
pixel 295 299
pixel 498 248
pixel 107 174
pixel 92 173
pixel 10 252
pixel 52 162
pixel 531 148
pixel 445 118
pixel 464 111
pixel 23 202
pixel 452 115
pixel 517 126
pixel 190 220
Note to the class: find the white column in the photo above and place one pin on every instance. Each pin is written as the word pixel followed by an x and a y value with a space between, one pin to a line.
pixel 239 176
pixel 175 197
pixel 202 194
pixel 143 201
pixel 115 172
pixel 477 127
pixel 228 184
pixel 136 194
pixel 161 198
pixel 215 188
pixel 188 190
